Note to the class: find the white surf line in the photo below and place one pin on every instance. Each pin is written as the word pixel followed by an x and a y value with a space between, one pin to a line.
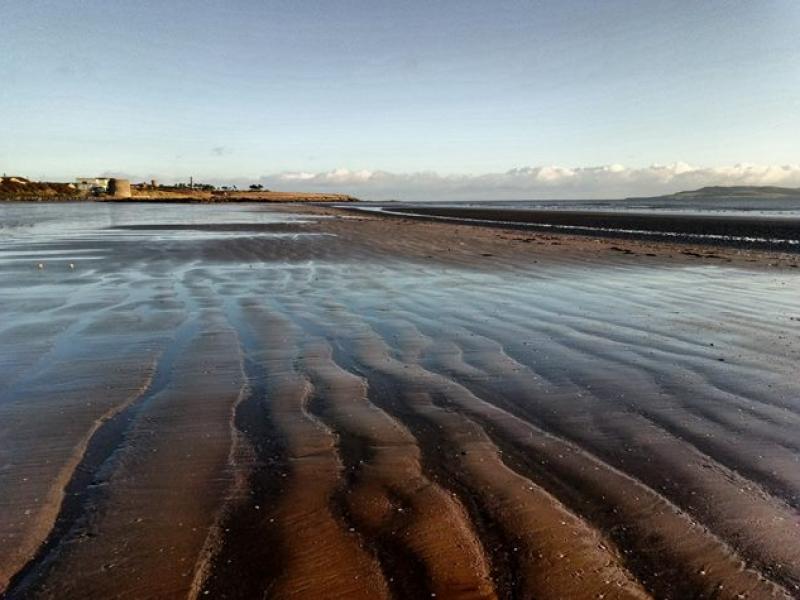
pixel 647 232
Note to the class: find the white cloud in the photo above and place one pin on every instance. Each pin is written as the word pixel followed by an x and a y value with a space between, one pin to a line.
pixel 552 181
pixel 297 176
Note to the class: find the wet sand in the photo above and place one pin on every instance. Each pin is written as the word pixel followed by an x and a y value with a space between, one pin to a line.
pixel 301 402
pixel 774 232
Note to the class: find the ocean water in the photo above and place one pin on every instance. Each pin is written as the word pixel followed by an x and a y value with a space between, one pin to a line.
pixel 789 207
pixel 47 222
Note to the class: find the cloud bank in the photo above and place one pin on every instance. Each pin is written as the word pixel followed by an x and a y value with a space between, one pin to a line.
pixel 541 182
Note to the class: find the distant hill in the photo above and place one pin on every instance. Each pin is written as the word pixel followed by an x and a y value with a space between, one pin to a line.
pixel 735 191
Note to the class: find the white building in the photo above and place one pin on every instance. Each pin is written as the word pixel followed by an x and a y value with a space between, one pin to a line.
pixel 87 184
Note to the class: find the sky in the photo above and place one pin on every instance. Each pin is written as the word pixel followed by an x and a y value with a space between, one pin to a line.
pixel 412 100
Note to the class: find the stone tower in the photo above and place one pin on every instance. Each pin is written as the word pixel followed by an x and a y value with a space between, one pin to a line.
pixel 119 188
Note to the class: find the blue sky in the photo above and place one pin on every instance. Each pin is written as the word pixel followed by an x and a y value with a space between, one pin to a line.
pixel 339 92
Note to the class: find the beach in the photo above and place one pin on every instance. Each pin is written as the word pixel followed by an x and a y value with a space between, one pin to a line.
pixel 304 402
pixel 777 230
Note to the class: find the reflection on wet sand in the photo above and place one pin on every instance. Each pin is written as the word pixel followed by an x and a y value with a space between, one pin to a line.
pixel 220 402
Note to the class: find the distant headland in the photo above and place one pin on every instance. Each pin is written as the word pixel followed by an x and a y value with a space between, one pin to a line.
pixel 109 189
pixel 736 191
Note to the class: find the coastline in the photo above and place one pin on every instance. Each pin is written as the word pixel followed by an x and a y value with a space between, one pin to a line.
pixel 550 243
pixel 770 232
pixel 221 198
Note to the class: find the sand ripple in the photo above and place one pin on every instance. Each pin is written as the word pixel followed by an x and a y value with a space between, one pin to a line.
pixel 392 410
